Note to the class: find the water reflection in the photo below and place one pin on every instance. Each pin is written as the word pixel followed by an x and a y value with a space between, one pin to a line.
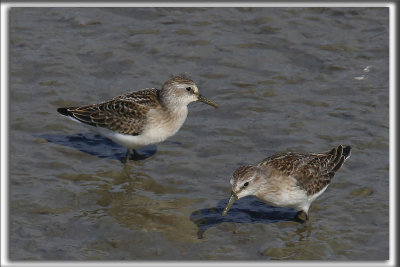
pixel 304 231
pixel 97 145
pixel 136 201
pixel 247 210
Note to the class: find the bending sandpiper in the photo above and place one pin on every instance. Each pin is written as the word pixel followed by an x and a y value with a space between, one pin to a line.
pixel 288 179
pixel 143 117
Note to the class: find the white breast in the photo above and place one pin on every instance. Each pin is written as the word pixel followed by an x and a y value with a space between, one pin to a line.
pixel 284 192
pixel 159 126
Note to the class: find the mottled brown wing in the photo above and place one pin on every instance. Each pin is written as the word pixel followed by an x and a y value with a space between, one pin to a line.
pixel 123 114
pixel 144 97
pixel 313 171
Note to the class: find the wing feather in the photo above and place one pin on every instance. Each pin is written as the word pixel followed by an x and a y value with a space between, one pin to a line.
pixel 123 114
pixel 312 171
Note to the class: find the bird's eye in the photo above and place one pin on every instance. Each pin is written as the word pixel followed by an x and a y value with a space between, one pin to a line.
pixel 188 89
pixel 246 184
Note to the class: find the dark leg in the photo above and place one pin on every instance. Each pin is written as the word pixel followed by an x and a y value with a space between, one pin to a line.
pixel 127 156
pixel 302 216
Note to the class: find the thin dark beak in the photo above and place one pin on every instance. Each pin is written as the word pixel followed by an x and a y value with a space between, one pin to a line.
pixel 207 101
pixel 230 203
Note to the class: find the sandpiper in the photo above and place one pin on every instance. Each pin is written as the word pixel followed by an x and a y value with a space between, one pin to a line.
pixel 288 179
pixel 143 117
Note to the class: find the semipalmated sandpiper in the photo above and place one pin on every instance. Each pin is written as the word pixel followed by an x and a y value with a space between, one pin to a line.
pixel 288 179
pixel 143 117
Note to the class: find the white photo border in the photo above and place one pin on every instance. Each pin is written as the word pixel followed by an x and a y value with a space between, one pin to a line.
pixel 5 133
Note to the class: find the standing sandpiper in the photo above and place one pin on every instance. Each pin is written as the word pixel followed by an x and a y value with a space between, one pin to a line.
pixel 141 118
pixel 288 179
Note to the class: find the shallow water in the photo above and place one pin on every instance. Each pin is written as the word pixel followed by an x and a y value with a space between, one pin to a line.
pixel 286 79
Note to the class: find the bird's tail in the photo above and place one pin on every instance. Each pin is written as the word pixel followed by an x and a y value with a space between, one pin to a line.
pixel 347 152
pixel 65 111
pixel 339 154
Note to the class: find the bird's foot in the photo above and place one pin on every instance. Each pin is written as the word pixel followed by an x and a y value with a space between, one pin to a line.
pixel 137 156
pixel 301 216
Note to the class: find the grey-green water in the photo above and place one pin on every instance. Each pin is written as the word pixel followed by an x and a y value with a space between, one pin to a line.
pixel 286 79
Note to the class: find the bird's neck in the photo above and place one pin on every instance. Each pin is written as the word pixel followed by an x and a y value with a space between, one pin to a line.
pixel 175 115
pixel 172 104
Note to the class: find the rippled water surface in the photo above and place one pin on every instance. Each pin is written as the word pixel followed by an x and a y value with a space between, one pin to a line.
pixel 286 79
